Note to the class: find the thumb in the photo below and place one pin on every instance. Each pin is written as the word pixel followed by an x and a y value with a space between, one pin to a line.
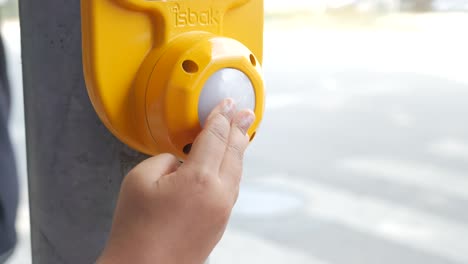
pixel 152 169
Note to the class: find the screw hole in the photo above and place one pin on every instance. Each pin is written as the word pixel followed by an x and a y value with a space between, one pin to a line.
pixel 253 60
pixel 253 136
pixel 190 66
pixel 187 148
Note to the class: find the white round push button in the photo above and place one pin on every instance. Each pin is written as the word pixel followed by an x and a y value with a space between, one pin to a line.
pixel 226 83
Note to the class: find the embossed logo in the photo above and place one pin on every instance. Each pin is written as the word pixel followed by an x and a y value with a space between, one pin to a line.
pixel 187 17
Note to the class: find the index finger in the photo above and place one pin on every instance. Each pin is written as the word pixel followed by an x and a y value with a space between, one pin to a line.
pixel 209 147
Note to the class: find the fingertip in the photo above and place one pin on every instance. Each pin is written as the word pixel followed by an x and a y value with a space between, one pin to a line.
pixel 226 107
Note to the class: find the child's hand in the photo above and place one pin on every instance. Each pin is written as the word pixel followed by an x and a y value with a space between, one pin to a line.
pixel 169 213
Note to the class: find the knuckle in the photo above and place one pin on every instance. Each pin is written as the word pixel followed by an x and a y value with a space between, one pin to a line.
pixel 203 176
pixel 218 208
pixel 220 129
pixel 223 211
pixel 237 151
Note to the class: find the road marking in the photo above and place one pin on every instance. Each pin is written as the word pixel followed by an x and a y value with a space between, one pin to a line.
pixel 421 175
pixel 240 247
pixel 451 148
pixel 258 201
pixel 389 221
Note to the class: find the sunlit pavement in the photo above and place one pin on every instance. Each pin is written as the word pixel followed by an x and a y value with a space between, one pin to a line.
pixel 363 154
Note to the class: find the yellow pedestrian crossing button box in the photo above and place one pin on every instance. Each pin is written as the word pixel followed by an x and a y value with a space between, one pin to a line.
pixel 155 69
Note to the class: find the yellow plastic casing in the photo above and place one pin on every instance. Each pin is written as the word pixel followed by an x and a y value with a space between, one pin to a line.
pixel 146 62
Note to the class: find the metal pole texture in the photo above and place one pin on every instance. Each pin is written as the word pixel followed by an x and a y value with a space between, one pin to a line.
pixel 75 165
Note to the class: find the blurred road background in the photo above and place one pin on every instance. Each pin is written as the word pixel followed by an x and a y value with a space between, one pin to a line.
pixel 363 154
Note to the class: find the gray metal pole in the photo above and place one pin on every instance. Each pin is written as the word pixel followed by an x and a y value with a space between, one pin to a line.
pixel 75 164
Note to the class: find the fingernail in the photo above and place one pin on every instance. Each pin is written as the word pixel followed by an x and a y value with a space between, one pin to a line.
pixel 246 121
pixel 228 107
